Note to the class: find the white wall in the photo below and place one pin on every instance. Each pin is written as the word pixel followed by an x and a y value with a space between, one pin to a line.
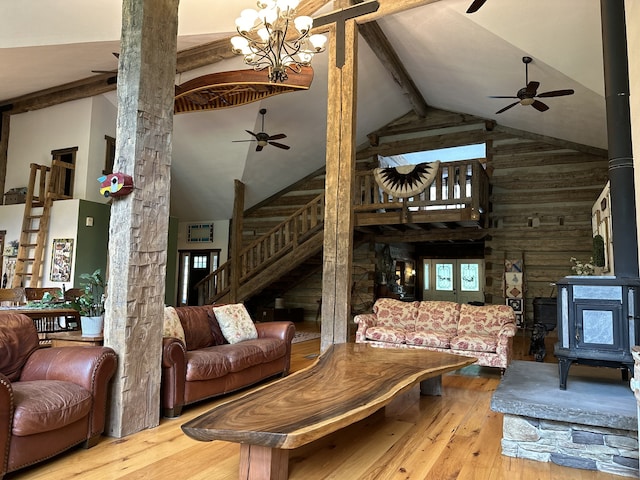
pixel 220 238
pixel 33 135
pixel 81 123
pixel 63 224
pixel 103 122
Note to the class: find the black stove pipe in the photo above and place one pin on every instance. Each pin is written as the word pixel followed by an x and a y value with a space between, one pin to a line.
pixel 616 85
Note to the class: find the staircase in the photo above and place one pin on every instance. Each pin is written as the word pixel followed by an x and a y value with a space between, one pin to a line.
pixel 270 257
pixel 46 184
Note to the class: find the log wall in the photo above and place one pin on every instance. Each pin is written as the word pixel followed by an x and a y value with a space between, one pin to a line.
pixel 542 191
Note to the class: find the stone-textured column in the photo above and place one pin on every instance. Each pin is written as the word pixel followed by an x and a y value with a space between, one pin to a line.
pixel 139 221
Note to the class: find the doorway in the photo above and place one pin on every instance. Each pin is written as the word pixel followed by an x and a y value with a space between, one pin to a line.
pixel 453 280
pixel 195 265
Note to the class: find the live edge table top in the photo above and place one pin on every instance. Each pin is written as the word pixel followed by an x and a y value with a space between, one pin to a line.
pixel 347 383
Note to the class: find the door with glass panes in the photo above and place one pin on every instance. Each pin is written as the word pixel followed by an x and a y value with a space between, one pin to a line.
pixel 454 280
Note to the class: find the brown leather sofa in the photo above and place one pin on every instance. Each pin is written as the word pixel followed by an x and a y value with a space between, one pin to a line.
pixel 206 365
pixel 51 399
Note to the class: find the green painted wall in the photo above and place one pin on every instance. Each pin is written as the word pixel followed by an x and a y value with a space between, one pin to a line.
pixel 92 245
pixel 92 242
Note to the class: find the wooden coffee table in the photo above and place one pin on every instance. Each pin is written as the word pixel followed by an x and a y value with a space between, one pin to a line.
pixel 347 383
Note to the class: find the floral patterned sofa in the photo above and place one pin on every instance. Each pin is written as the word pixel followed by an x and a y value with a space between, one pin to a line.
pixel 484 332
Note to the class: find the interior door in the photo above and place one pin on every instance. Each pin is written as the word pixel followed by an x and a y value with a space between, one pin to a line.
pixel 453 280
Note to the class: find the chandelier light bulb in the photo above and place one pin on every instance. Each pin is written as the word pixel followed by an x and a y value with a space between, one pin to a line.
pixel 263 33
pixel 318 42
pixel 303 23
pixel 244 24
pixel 239 43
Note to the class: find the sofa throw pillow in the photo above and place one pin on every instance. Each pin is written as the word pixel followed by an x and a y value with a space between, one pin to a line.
pixel 235 322
pixel 172 326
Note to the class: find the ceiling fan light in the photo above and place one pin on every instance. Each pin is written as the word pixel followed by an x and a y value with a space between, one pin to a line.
pixel 526 101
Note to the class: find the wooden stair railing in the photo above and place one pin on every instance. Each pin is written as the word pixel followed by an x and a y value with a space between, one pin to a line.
pixel 45 186
pixel 284 238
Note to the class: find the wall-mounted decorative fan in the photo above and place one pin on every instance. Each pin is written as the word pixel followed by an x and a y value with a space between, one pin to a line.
pixel 528 94
pixel 263 138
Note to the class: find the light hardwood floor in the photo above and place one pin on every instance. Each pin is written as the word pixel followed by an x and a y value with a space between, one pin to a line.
pixel 452 437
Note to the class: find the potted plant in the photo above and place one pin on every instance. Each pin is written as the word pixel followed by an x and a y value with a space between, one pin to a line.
pixel 90 304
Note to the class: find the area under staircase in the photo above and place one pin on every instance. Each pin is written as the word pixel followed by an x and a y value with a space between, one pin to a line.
pixel 270 258
pixel 46 184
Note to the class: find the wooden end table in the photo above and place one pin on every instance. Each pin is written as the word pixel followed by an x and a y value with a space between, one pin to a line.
pixel 73 339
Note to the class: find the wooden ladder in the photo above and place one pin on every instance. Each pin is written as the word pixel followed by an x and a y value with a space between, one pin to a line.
pixel 35 223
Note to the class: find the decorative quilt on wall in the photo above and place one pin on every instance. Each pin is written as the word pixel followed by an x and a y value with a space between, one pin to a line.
pixel 514 288
pixel 406 180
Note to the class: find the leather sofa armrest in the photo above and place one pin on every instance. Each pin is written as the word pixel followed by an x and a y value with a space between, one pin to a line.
pixel 283 330
pixel 6 419
pixel 174 374
pixel 89 367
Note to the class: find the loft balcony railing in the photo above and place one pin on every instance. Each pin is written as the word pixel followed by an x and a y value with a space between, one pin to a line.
pixel 459 193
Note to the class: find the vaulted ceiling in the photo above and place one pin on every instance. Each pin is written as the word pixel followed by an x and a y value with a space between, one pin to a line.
pixel 456 61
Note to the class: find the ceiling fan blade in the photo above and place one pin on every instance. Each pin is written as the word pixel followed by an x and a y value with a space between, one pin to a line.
pixel 237 141
pixel 278 136
pixel 475 6
pixel 251 133
pixel 556 93
pixel 532 87
pixel 280 145
pixel 507 107
pixel 538 105
pixel 104 71
pixel 259 148
pixel 502 96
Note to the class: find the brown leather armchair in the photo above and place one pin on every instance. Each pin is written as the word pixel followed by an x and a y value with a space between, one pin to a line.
pixel 51 399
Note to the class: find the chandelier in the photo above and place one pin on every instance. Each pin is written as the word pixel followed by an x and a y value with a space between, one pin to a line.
pixel 266 41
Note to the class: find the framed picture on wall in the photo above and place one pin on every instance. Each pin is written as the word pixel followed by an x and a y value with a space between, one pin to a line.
pixel 61 258
pixel 201 232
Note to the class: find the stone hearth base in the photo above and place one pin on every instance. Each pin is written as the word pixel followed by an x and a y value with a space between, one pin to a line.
pixel 591 425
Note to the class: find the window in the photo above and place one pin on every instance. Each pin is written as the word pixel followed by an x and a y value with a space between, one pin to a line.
pixel 110 155
pixel 62 169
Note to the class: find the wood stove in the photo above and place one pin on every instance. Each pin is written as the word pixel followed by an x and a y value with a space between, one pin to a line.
pixel 597 323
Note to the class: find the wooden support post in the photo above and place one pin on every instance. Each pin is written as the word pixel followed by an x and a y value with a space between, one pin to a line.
pixel 236 239
pixel 140 221
pixel 338 223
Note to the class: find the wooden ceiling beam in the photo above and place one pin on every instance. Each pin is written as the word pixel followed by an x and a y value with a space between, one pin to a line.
pixel 379 43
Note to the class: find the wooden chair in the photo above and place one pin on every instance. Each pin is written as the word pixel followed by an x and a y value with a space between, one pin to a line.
pixel 33 293
pixel 11 297
pixel 46 325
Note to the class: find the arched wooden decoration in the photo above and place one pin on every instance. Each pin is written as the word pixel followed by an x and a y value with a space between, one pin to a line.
pixel 406 180
pixel 238 87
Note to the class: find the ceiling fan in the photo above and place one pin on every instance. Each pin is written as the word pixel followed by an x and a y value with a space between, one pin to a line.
pixel 475 6
pixel 527 95
pixel 265 139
